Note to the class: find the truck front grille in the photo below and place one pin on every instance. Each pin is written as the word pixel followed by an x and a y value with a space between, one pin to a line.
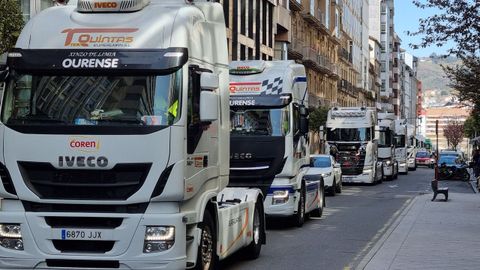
pixel 83 246
pixel 76 264
pixel 84 222
pixel 118 183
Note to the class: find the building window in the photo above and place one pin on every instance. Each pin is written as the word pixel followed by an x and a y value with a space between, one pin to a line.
pixel 384 9
pixel 383 28
pixel 243 16
pixel 384 66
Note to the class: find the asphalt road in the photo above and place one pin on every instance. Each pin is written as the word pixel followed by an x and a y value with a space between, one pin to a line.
pixel 352 222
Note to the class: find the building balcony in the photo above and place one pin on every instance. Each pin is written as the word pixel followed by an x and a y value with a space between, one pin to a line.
pixel 317 19
pixel 387 107
pixel 396 70
pixel 345 55
pixel 295 49
pixel 296 5
pixel 348 88
pixel 318 62
pixel 395 86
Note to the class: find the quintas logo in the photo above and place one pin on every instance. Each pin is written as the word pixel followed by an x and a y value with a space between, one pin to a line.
pixel 99 37
pixel 84 144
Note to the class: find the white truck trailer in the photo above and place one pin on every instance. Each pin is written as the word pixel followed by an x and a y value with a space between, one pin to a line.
pixel 352 134
pixel 401 145
pixel 268 101
pixel 386 145
pixel 115 141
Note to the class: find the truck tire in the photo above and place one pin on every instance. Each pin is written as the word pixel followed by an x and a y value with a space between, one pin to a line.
pixel 319 211
pixel 299 217
pixel 339 187
pixel 252 251
pixel 207 251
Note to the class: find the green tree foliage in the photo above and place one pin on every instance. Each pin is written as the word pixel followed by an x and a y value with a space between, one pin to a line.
pixel 11 23
pixel 472 125
pixel 317 118
pixel 457 21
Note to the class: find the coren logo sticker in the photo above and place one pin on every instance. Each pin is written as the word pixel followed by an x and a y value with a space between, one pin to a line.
pixel 99 37
pixel 84 144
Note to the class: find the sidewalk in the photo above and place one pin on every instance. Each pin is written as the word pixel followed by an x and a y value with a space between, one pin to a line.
pixel 431 235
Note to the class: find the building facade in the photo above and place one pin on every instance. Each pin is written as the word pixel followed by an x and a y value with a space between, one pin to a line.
pixel 375 81
pixel 315 27
pixel 31 7
pixel 444 115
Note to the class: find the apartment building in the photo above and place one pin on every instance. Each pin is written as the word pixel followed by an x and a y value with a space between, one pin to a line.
pixel 444 115
pixel 315 31
pixel 396 80
pixel 375 81
pixel 381 27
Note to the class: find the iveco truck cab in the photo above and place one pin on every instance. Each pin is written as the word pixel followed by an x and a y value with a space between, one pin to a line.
pixel 351 137
pixel 269 136
pixel 115 141
pixel 386 146
pixel 401 145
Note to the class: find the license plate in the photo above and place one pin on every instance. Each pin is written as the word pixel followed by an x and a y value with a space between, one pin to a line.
pixel 84 234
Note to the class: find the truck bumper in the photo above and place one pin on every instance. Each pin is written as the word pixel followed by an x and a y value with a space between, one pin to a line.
pixel 286 209
pixel 402 167
pixel 388 170
pixel 365 177
pixel 41 250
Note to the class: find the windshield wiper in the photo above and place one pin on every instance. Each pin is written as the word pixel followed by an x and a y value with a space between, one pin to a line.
pixel 35 118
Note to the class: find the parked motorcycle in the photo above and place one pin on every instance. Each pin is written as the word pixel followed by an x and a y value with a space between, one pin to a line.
pixel 453 172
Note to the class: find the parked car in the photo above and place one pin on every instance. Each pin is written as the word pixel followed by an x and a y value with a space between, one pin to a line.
pixel 329 169
pixel 412 163
pixel 424 158
pixel 453 167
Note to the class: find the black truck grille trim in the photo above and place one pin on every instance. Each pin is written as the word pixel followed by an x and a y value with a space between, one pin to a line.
pixel 118 183
pixel 83 246
pixel 7 180
pixel 76 264
pixel 138 208
pixel 84 222
pixel 162 181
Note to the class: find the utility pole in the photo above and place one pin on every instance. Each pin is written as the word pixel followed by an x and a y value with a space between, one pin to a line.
pixel 436 150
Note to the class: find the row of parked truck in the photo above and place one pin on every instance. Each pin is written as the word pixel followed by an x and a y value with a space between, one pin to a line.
pixel 130 142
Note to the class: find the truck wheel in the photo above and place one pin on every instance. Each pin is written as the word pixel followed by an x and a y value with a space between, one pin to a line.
pixel 252 251
pixel 319 211
pixel 333 188
pixel 339 187
pixel 207 257
pixel 299 218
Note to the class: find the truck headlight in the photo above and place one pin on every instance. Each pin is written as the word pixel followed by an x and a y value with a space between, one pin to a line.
pixel 326 174
pixel 11 236
pixel 280 196
pixel 411 160
pixel 158 238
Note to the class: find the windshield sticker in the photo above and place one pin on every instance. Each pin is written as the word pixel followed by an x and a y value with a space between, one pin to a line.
pixel 99 37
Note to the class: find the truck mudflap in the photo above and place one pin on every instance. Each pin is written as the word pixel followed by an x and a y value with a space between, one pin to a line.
pixel 236 209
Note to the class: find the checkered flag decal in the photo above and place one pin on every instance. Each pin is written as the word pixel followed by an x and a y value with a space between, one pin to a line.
pixel 272 87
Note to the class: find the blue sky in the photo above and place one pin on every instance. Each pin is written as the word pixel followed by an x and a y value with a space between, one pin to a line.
pixel 406 19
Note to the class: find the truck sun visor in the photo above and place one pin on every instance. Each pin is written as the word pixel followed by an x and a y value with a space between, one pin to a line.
pixel 261 101
pixel 97 61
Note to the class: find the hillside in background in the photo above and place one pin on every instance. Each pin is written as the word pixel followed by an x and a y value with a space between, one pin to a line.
pixel 434 81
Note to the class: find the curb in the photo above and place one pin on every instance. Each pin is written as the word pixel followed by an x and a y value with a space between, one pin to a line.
pixel 473 186
pixel 367 258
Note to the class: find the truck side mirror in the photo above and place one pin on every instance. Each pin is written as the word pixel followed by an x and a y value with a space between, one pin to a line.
pixel 208 98
pixel 303 120
pixel 3 73
pixel 377 133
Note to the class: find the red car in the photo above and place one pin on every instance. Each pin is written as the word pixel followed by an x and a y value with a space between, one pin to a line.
pixel 424 159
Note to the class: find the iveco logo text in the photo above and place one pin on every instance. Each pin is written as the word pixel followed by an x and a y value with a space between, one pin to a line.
pixel 241 156
pixel 105 5
pixel 82 161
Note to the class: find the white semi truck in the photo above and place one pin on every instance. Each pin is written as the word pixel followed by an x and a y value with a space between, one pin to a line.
pixel 386 145
pixel 115 141
pixel 401 145
pixel 351 137
pixel 268 101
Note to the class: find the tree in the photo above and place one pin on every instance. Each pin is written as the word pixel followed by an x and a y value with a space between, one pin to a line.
pixel 454 133
pixel 472 125
pixel 11 23
pixel 457 21
pixel 317 118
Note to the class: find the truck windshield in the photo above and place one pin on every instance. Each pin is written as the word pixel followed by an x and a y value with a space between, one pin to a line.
pixel 400 141
pixel 92 100
pixel 349 134
pixel 385 139
pixel 263 122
